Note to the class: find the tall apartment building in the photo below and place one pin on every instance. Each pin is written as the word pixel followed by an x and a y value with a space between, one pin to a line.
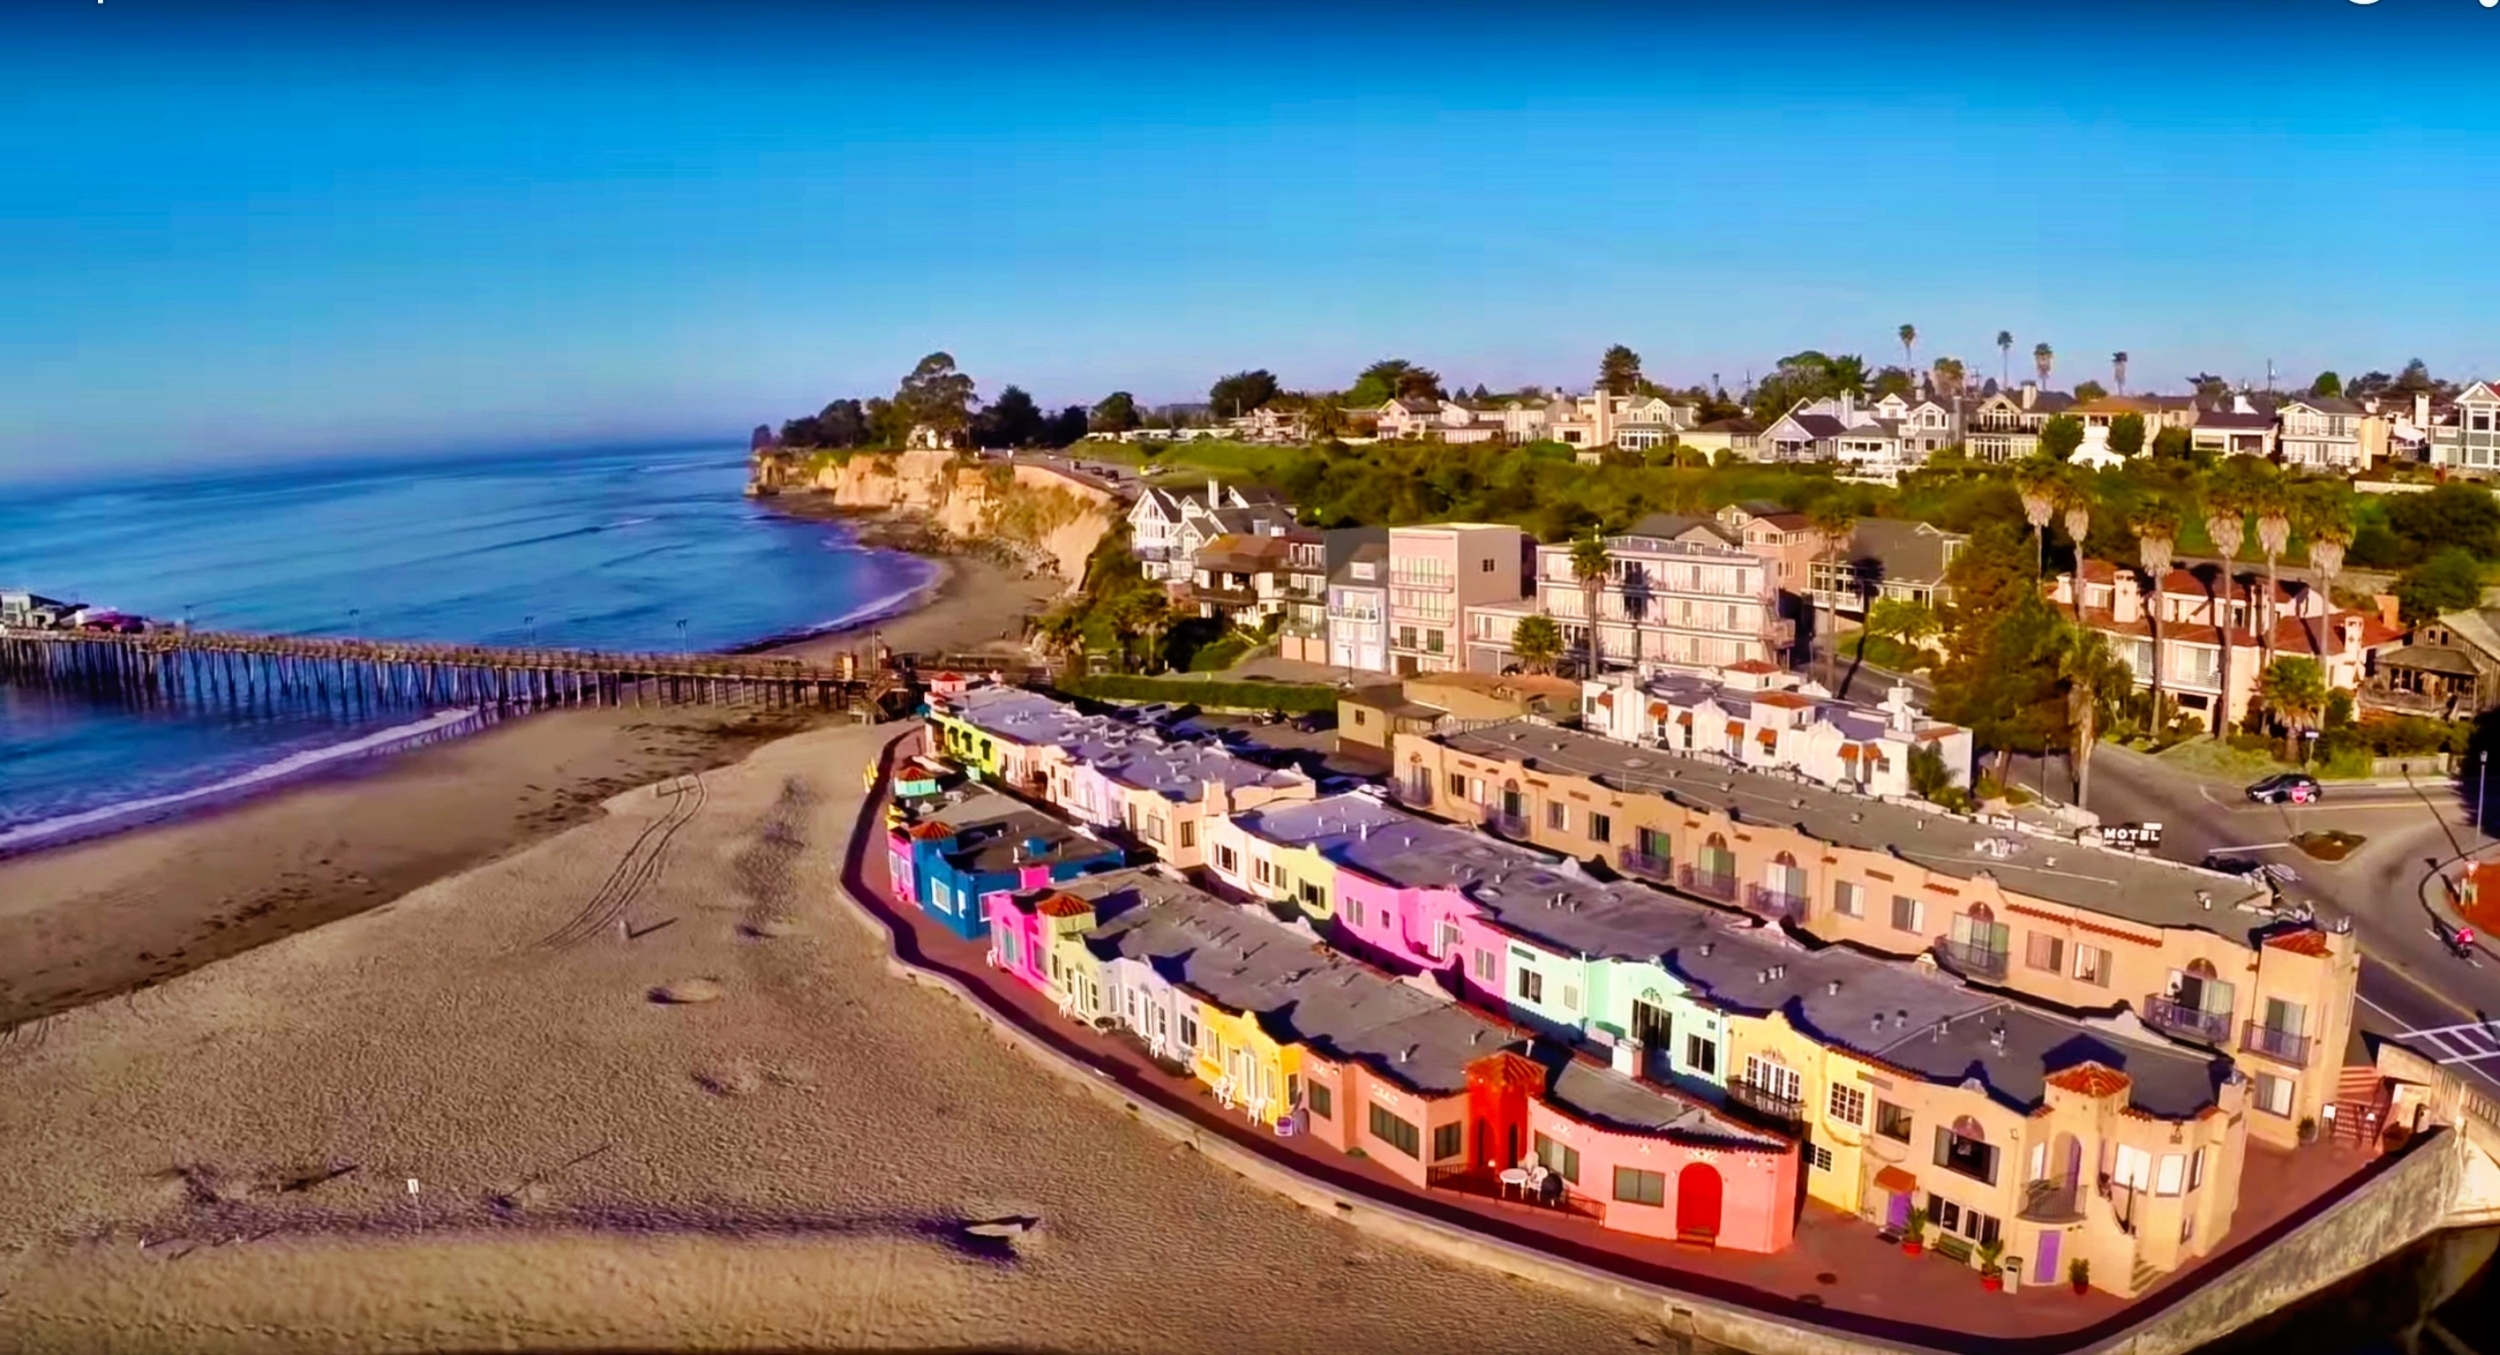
pixel 1437 574
pixel 1665 602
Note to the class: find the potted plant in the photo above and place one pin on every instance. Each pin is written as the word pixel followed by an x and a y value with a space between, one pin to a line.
pixel 1991 1274
pixel 1914 1233
pixel 2308 1129
pixel 2079 1274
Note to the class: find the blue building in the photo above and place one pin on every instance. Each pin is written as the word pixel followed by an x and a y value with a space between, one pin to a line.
pixel 953 861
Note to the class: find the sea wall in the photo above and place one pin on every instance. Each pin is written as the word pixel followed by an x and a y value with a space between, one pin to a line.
pixel 1053 519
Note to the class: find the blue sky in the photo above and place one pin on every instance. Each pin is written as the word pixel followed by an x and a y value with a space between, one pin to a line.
pixel 237 232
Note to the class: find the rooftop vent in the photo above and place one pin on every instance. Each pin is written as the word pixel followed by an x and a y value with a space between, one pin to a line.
pixel 1407 1055
pixel 1996 1039
pixel 1939 1032
pixel 2205 899
pixel 1834 990
pixel 1901 1019
pixel 1705 948
pixel 1797 803
pixel 1856 817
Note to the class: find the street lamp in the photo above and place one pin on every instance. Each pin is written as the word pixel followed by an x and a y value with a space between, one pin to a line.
pixel 531 623
pixel 681 635
pixel 354 615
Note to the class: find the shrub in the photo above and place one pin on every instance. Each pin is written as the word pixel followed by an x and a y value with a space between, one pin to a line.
pixel 1298 698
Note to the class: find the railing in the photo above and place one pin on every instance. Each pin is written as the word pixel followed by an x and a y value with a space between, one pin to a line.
pixel 2178 1018
pixel 2283 1046
pixel 2121 1203
pixel 1720 887
pixel 1766 1101
pixel 1976 961
pixel 1635 862
pixel 1508 825
pixel 1485 1184
pixel 2052 1201
pixel 1410 793
pixel 1774 902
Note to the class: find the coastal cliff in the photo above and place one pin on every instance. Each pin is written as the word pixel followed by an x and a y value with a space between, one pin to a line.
pixel 1049 520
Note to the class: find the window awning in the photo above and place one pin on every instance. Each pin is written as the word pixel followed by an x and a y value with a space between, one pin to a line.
pixel 1736 729
pixel 1895 1180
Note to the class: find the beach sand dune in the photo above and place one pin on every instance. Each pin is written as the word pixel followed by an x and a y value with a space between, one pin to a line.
pixel 423 1127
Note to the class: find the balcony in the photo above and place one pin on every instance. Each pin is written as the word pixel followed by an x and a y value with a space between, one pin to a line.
pixel 2047 1201
pixel 1411 792
pixel 1767 1102
pixel 2178 1018
pixel 1508 825
pixel 1774 902
pixel 1644 865
pixel 1720 887
pixel 1978 962
pixel 2282 1046
pixel 1486 1184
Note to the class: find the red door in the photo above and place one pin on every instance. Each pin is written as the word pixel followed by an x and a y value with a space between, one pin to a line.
pixel 1697 1197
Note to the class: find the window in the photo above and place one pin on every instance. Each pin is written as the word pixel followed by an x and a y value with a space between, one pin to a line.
pixel 2043 951
pixel 1601 828
pixel 1323 1101
pixel 1458 785
pixel 1891 1121
pixel 1189 1031
pixel 1557 816
pixel 1907 915
pixel 1226 861
pixel 1484 966
pixel 1011 947
pixel 1396 1133
pixel 1559 1158
pixel 2092 965
pixel 2274 1094
pixel 1189 833
pixel 1845 898
pixel 1970 1156
pixel 1778 1079
pixel 1313 896
pixel 1653 843
pixel 1448 1141
pixel 1571 997
pixel 1354 912
pixel 1969 1223
pixel 1154 828
pixel 2132 1168
pixel 2171 1177
pixel 1531 986
pixel 1634 1186
pixel 1701 1055
pixel 1445 938
pixel 1258 870
pixel 2196 1169
pixel 1818 1157
pixel 1848 1104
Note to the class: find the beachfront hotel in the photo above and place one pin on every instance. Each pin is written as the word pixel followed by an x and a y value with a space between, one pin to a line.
pixel 1913 1080
pixel 2195 957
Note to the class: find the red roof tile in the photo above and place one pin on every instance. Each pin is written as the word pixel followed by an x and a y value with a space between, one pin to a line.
pixel 2090 1079
pixel 2306 941
pixel 1064 905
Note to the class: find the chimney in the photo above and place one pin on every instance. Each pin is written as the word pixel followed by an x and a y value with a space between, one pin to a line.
pixel 2350 623
pixel 2031 393
pixel 2422 410
pixel 2126 602
pixel 1215 492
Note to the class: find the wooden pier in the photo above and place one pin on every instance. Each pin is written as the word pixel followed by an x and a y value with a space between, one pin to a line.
pixel 225 668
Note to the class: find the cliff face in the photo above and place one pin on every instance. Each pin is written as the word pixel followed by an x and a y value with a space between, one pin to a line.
pixel 1053 520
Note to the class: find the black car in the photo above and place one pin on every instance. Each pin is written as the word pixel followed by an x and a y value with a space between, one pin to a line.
pixel 2298 788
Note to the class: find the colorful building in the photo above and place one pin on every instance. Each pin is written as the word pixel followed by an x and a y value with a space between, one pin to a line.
pixel 954 862
pixel 1283 854
pixel 2204 959
pixel 1313 1042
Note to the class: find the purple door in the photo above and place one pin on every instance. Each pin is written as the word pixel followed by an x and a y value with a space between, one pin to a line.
pixel 2045 1271
pixel 1898 1213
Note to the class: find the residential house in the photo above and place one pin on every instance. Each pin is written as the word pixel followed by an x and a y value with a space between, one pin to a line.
pixel 1247 580
pixel 2321 433
pixel 1168 526
pixel 2240 430
pixel 1923 424
pixel 1738 437
pixel 2448 669
pixel 1358 607
pixel 1372 715
pixel 2467 436
pixel 1269 424
pixel 1758 716
pixel 1442 420
pixel 1780 535
pixel 1647 421
pixel 2197 960
pixel 1808 432
pixel 1437 574
pixel 1322 1045
pixel 1303 637
pixel 33 611
pixel 1906 1087
pixel 1683 597
pixel 958 861
pixel 2190 613
pixel 2006 425
pixel 1885 558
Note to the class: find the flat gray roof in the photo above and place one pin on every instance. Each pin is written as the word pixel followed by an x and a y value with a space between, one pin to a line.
pixel 2119 884
pixel 994 832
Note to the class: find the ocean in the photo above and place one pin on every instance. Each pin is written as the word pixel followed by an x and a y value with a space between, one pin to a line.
pixel 647 550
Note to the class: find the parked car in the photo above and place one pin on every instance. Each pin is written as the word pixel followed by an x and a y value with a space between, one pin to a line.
pixel 2297 788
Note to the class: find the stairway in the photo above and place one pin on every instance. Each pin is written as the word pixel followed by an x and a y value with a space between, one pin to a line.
pixel 2146 1276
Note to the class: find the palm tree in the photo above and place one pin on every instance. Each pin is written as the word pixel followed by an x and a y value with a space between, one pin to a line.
pixel 2092 673
pixel 1589 563
pixel 1834 523
pixel 1848 374
pixel 1322 419
pixel 2274 534
pixel 2005 358
pixel 2156 541
pixel 2118 369
pixel 1950 374
pixel 2294 690
pixel 2039 492
pixel 1061 632
pixel 1909 347
pixel 2042 358
pixel 2326 515
pixel 2226 523
pixel 2076 506
pixel 1537 643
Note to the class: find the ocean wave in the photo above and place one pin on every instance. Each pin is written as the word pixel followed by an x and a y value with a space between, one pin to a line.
pixel 53 832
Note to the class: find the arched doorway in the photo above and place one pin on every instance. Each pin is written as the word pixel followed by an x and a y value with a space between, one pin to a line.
pixel 1698 1197
pixel 1785 884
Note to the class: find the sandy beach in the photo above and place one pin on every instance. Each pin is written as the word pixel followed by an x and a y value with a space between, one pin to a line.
pixel 97 919
pixel 461 1120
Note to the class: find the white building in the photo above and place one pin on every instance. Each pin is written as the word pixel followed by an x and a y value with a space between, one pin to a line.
pixel 1168 527
pixel 1665 600
pixel 1760 717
